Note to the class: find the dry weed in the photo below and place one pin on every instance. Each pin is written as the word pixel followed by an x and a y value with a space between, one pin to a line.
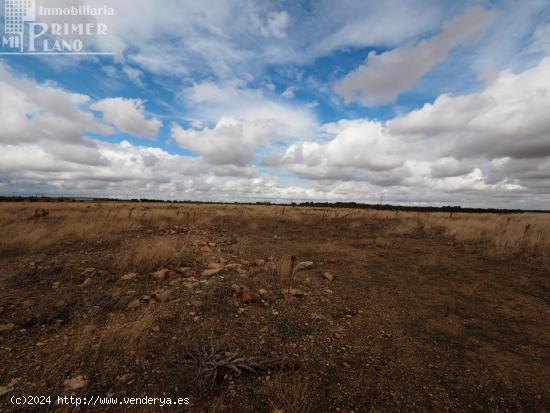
pixel 291 392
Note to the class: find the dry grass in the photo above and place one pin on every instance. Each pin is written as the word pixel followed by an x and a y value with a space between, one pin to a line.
pixel 144 255
pixel 430 309
pixel 499 236
pixel 291 393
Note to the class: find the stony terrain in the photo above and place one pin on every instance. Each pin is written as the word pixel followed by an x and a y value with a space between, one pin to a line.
pixel 272 308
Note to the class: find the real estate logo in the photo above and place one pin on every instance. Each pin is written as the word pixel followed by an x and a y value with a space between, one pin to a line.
pixel 29 29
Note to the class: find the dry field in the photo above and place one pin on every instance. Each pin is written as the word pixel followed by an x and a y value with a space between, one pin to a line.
pixel 274 309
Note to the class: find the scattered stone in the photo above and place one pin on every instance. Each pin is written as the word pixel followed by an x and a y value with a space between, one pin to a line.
pixel 75 383
pixel 182 270
pixel 88 271
pixel 211 244
pixel 87 282
pixel 125 378
pixel 9 387
pixel 5 328
pixel 195 303
pixel 215 265
pixel 160 274
pixel 211 272
pixel 245 262
pixel 303 266
pixel 56 285
pixel 249 297
pixel 259 262
pixel 129 276
pixel 205 249
pixel 191 282
pixel 232 266
pixel 132 305
pixel 295 292
pixel 5 390
pixel 262 292
pixel 328 276
pixel 236 288
pixel 163 295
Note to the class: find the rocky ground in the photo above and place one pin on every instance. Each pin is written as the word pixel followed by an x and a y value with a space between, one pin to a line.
pixel 277 315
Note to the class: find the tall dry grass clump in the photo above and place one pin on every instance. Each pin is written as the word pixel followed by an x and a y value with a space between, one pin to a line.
pixel 143 255
pixel 291 392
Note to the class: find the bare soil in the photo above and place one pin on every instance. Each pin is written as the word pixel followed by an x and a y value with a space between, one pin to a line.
pixel 410 322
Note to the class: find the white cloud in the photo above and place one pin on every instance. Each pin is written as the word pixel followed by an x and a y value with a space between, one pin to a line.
pixel 289 92
pixel 358 145
pixel 509 118
pixel 384 76
pixel 276 25
pixel 209 101
pixel 480 143
pixel 227 38
pixel 128 115
pixel 230 141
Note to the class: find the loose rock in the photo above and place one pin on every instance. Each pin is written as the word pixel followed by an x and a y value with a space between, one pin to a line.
pixel 9 387
pixel 328 276
pixel 87 282
pixel 303 265
pixel 129 276
pixel 249 297
pixel 4 328
pixel 211 272
pixel 295 292
pixel 163 295
pixel 132 305
pixel 75 383
pixel 160 274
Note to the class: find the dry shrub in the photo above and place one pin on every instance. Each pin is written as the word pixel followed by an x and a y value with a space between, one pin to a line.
pixel 144 255
pixel 291 392
pixel 281 272
pixel 121 335
pixel 211 362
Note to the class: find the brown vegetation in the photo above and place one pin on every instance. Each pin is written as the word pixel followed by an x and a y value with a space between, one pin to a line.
pixel 272 308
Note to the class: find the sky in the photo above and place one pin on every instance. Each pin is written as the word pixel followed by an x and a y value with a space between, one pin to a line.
pixel 414 102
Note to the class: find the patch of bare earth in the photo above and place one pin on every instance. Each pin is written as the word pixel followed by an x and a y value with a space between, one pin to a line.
pixel 275 309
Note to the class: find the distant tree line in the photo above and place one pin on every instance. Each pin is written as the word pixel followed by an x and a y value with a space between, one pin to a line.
pixel 354 205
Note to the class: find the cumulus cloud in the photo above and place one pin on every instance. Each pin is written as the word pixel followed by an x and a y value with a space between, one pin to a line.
pixel 358 145
pixel 210 101
pixel 230 141
pixel 44 114
pixel 491 142
pixel 509 118
pixel 128 116
pixel 384 76
pixel 44 148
